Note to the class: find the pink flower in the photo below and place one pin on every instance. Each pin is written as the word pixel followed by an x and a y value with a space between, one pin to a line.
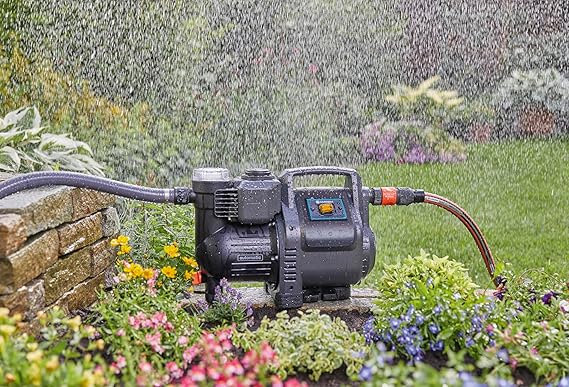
pixel 190 353
pixel 267 353
pixel 213 373
pixel 154 342
pixel 233 367
pixel 198 373
pixel 159 319
pixel 173 369
pixel 187 381
pixel 145 367
pixel 134 322
pixel 544 325
pixel 183 340
pixel 141 381
pixel 121 362
pixel 489 328
pixel 168 326
pixel 120 332
pixel 533 351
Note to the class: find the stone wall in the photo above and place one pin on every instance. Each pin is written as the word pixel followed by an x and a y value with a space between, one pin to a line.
pixel 55 248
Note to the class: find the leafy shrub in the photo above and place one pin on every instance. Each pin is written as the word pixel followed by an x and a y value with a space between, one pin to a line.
pixel 428 304
pixel 418 132
pixel 312 342
pixel 26 150
pixel 226 308
pixel 538 88
pixel 424 102
pixel 409 142
pixel 68 352
pixel 531 325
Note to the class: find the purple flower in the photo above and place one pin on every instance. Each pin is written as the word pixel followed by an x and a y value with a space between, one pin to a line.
pixel 437 309
pixel 548 296
pixel 469 342
pixel 419 320
pixel 411 349
pixel 434 328
pixel 377 143
pixel 365 373
pixel 394 323
pixel 503 355
pixel 369 332
pixel 437 346
pixel 417 155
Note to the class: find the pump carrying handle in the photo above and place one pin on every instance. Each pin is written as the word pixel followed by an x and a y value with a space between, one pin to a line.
pixel 354 181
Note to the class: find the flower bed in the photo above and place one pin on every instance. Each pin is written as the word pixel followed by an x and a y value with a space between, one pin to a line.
pixel 429 327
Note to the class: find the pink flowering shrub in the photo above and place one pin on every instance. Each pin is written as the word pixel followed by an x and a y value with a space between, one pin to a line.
pixel 212 360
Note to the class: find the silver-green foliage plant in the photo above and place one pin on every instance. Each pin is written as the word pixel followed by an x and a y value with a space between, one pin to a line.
pixel 26 147
pixel 535 88
pixel 311 342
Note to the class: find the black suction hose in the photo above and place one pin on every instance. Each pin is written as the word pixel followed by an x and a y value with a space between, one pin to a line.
pixel 403 196
pixel 73 179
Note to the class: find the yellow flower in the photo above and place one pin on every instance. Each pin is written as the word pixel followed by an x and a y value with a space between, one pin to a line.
pixel 148 273
pixel 125 249
pixel 35 355
pixel 172 250
pixel 100 344
pixel 169 271
pixel 52 364
pixel 137 270
pixel 87 379
pixel 123 240
pixel 34 374
pixel 7 330
pixel 74 323
pixel 190 261
pixel 32 346
pixel 188 275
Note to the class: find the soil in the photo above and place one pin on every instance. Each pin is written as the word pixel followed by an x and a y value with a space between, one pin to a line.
pixel 353 319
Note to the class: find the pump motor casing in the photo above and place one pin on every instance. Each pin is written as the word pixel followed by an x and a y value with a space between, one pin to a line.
pixel 306 244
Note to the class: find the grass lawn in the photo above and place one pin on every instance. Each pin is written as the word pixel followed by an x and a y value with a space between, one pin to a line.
pixel 517 192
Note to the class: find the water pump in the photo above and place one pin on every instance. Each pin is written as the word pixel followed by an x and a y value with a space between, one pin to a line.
pixel 305 243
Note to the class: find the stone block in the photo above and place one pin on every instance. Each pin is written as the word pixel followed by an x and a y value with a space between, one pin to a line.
pixel 33 259
pixel 40 208
pixel 86 202
pixel 67 272
pixel 103 256
pixel 76 235
pixel 27 300
pixel 13 234
pixel 82 295
pixel 111 222
pixel 360 302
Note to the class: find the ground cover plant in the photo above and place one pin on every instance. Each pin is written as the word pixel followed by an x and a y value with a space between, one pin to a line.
pixel 313 343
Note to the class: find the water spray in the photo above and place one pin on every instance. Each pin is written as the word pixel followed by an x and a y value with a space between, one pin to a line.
pixel 305 243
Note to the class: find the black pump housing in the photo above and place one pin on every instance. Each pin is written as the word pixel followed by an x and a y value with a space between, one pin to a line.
pixel 306 244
